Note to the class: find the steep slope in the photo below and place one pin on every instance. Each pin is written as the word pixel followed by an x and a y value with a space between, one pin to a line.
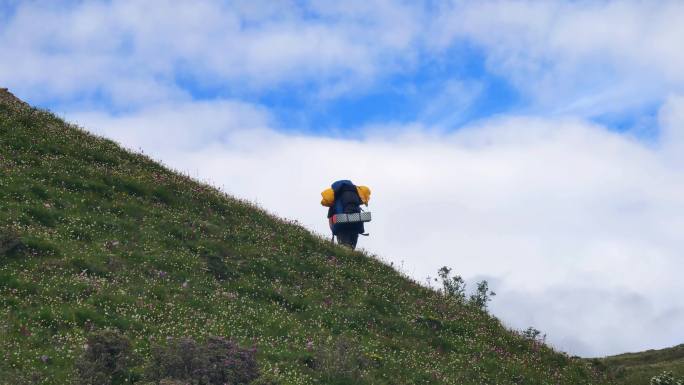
pixel 95 237
pixel 638 368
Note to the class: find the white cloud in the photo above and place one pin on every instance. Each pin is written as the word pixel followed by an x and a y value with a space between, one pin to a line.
pixel 576 226
pixel 60 51
pixel 571 58
pixel 448 107
pixel 672 122
pixel 576 57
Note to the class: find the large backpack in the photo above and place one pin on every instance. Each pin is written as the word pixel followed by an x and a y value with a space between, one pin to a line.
pixel 347 201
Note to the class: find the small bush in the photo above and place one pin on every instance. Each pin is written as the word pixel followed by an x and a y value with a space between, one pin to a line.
pixel 132 187
pixel 455 288
pixel 41 247
pixel 107 360
pixel 44 216
pixel 40 192
pixel 666 378
pixel 218 361
pixel 341 362
pixel 533 334
pixel 482 295
pixel 164 195
pixel 216 254
pixel 218 267
pixel 87 317
pixel 452 287
pixel 10 243
pixel 9 280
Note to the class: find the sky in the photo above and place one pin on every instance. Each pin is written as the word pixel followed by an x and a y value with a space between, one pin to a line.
pixel 537 145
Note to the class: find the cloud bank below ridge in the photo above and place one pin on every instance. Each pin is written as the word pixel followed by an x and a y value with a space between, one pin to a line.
pixel 564 217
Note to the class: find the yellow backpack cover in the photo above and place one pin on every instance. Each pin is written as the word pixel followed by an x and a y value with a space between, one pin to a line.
pixel 328 196
pixel 364 194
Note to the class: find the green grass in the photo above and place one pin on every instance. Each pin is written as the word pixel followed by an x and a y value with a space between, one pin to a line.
pixel 104 238
pixel 638 368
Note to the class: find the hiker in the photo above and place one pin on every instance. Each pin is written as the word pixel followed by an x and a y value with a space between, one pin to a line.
pixel 345 216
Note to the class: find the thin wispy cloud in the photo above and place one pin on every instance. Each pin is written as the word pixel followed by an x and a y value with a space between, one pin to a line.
pixel 619 54
pixel 534 144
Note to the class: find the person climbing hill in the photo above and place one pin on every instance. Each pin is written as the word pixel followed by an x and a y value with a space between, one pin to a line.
pixel 346 219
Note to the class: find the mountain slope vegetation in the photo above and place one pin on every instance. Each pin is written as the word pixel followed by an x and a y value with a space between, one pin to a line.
pixel 639 368
pixel 94 237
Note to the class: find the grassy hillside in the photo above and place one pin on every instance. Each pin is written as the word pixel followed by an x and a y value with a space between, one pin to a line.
pixel 94 237
pixel 638 368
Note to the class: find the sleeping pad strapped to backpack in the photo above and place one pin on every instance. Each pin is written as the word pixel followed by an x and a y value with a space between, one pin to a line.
pixel 347 201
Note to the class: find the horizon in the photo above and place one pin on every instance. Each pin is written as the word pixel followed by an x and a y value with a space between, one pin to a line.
pixel 535 145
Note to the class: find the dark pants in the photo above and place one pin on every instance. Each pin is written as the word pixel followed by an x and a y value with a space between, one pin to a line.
pixel 347 238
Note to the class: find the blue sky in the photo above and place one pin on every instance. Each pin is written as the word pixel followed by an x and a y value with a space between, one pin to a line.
pixel 402 92
pixel 535 144
pixel 395 97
